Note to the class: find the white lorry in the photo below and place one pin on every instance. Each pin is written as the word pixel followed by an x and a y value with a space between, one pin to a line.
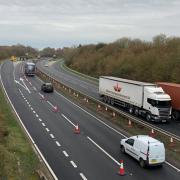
pixel 139 98
pixel 145 149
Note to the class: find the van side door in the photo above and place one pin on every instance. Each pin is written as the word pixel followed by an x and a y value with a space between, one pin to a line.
pixel 129 147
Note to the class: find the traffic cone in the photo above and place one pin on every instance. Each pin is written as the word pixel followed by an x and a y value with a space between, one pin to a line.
pixel 77 129
pixel 129 124
pixel 55 109
pixel 171 142
pixel 152 134
pixel 121 169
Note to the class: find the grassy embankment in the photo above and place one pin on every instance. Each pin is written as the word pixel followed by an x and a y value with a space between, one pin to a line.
pixel 17 159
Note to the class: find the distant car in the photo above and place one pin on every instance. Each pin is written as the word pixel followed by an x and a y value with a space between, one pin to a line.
pixel 46 65
pixel 145 149
pixel 47 87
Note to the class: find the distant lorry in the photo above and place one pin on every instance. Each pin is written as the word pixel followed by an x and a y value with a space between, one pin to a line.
pixel 139 98
pixel 174 91
pixel 29 69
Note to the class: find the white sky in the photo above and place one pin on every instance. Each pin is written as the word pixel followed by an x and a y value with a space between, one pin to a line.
pixel 59 23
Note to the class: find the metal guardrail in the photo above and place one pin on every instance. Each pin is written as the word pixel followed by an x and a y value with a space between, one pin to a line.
pixel 57 83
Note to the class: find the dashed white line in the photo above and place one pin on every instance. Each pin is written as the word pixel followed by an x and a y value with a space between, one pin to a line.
pixel 68 120
pixel 40 119
pixel 34 112
pixel 58 144
pixel 52 136
pixel 43 124
pixel 65 153
pixel 32 109
pixel 104 151
pixel 47 129
pixel 83 176
pixel 73 164
pixel 37 115
pixel 27 102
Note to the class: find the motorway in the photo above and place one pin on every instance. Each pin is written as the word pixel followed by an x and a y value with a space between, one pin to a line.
pixel 93 154
pixel 91 89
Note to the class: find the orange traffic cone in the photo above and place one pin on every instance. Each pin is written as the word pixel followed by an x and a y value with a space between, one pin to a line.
pixel 152 134
pixel 129 124
pixel 77 129
pixel 55 109
pixel 121 169
pixel 171 142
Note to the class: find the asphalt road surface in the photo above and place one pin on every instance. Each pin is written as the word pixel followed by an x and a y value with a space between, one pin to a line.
pixel 92 154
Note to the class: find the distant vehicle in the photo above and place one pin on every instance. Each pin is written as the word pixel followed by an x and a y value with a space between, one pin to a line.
pixel 47 87
pixel 13 58
pixel 174 91
pixel 29 69
pixel 147 150
pixel 46 65
pixel 139 98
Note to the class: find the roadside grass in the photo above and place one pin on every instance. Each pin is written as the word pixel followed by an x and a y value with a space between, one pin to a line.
pixel 172 152
pixel 17 158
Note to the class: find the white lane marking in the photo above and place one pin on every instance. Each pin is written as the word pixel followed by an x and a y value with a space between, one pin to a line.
pixel 73 164
pixel 58 144
pixel 68 120
pixel 104 151
pixel 178 170
pixel 40 119
pixel 47 129
pixel 29 105
pixel 34 112
pixel 50 104
pixel 43 124
pixel 32 109
pixel 27 102
pixel 92 116
pixel 52 136
pixel 65 153
pixel 21 79
pixel 83 176
pixel 37 115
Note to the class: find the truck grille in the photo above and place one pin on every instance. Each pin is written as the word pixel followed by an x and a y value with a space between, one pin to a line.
pixel 164 112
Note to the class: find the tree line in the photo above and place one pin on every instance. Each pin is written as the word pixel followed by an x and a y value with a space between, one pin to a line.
pixel 148 61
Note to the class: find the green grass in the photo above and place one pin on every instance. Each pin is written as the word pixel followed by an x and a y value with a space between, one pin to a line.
pixel 17 158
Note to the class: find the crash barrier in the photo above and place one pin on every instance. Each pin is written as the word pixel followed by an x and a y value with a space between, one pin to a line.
pixel 127 122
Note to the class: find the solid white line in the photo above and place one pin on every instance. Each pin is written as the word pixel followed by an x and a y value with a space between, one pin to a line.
pixel 40 119
pixel 178 170
pixel 52 136
pixel 74 165
pixel 47 129
pixel 83 176
pixel 50 104
pixel 37 149
pixel 68 120
pixel 58 144
pixel 43 124
pixel 65 153
pixel 37 115
pixel 104 151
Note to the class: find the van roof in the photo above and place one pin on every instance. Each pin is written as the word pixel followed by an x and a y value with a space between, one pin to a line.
pixel 146 139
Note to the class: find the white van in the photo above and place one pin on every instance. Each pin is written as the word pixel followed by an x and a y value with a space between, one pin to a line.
pixel 147 150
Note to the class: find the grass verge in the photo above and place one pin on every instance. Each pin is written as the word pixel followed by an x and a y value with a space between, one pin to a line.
pixel 17 158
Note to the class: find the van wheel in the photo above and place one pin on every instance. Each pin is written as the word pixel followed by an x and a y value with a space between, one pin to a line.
pixel 123 149
pixel 148 117
pixel 142 163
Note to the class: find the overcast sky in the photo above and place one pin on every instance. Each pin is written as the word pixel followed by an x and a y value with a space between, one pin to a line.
pixel 59 23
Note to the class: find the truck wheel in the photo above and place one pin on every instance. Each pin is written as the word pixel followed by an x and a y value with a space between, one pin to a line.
pixel 131 110
pixel 105 99
pixel 142 163
pixel 123 149
pixel 148 117
pixel 108 100
pixel 112 101
pixel 175 115
pixel 136 112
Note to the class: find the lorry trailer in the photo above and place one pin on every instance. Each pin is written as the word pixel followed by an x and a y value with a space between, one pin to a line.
pixel 29 69
pixel 173 90
pixel 139 98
